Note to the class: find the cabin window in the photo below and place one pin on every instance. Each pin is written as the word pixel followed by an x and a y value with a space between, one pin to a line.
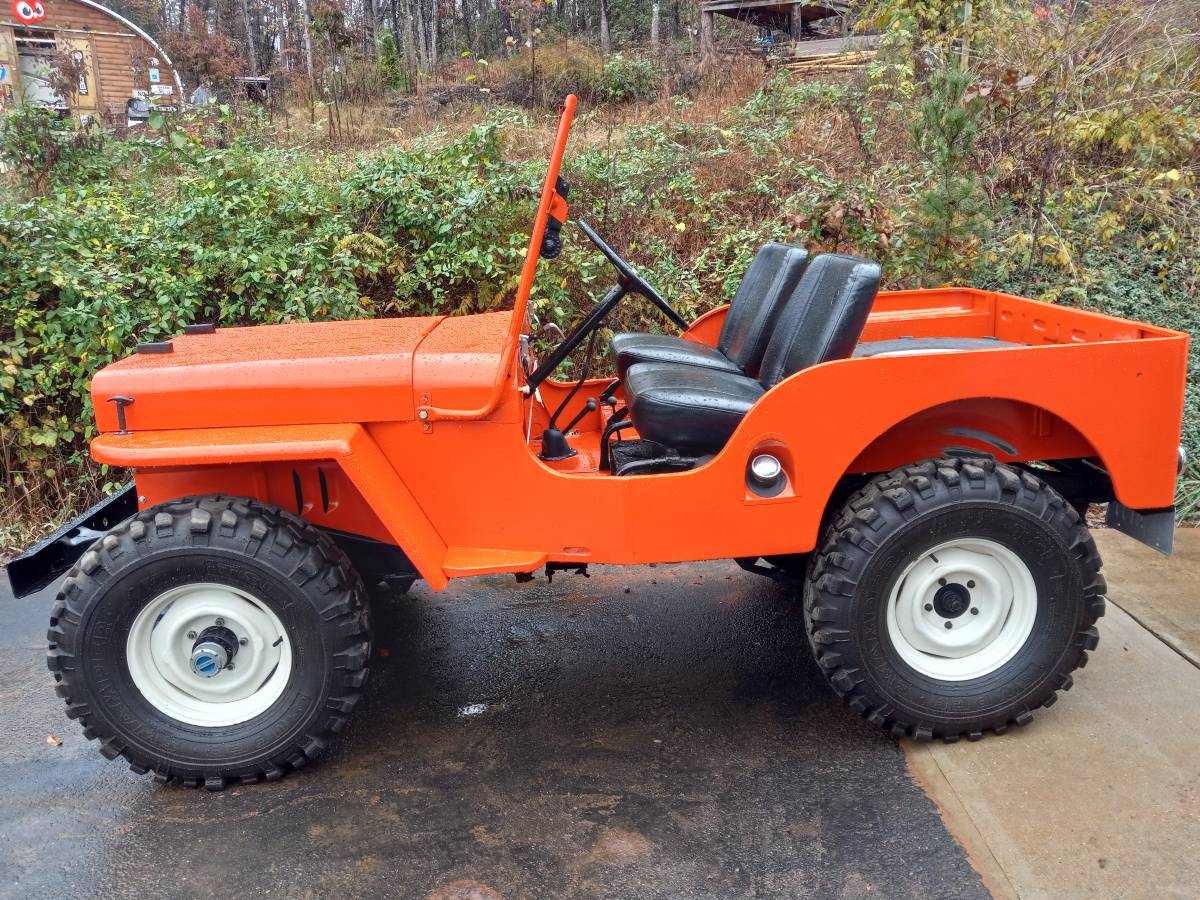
pixel 36 49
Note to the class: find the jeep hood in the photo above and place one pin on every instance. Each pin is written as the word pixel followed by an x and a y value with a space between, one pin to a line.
pixel 295 374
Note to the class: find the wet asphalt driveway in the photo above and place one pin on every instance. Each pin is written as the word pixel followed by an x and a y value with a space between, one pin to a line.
pixel 651 732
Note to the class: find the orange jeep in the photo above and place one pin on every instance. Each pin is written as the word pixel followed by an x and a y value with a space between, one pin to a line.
pixel 918 462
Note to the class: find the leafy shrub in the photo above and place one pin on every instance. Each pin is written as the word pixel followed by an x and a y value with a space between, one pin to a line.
pixel 390 70
pixel 563 68
pixel 451 218
pixel 780 101
pixel 572 67
pixel 40 143
pixel 629 78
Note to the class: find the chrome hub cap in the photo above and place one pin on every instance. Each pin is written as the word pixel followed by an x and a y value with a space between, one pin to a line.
pixel 209 655
pixel 962 610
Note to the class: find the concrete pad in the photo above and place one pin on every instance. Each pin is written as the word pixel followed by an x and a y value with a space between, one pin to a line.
pixel 1161 592
pixel 1100 796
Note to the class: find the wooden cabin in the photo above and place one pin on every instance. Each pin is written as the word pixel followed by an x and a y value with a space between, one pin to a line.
pixel 82 57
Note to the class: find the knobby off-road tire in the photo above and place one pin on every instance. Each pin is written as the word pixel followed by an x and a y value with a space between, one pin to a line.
pixel 295 606
pixel 863 598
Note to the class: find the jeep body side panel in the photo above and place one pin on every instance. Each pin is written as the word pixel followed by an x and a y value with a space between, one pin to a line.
pixel 467 497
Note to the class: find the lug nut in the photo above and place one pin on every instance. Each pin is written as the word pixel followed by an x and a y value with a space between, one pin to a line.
pixel 970 584
pixel 245 641
pixel 974 611
pixel 949 625
pixel 942 582
pixel 928 607
pixel 191 635
pixel 220 621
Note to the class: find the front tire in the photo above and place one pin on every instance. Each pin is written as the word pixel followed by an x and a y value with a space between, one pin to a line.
pixel 211 640
pixel 953 597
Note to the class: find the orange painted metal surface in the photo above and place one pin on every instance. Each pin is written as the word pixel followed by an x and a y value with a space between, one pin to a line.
pixel 319 372
pixel 329 424
pixel 1093 386
pixel 460 363
pixel 184 463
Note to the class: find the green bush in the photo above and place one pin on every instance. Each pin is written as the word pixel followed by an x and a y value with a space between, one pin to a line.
pixel 40 143
pixel 563 68
pixel 629 78
pixel 450 217
pixel 949 216
pixel 390 70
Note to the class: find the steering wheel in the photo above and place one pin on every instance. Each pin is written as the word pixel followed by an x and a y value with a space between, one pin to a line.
pixel 629 282
pixel 630 279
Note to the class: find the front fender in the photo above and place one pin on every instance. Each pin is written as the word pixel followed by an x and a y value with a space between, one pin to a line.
pixel 203 455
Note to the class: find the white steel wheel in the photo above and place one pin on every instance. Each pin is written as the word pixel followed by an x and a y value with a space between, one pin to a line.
pixel 209 655
pixel 962 609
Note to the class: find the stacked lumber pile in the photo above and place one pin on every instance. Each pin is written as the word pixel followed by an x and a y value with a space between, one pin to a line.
pixel 829 62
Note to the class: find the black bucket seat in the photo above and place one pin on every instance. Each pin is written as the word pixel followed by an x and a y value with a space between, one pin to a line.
pixel 694 410
pixel 770 280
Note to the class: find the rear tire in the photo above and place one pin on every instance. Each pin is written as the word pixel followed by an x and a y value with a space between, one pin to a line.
pixel 953 597
pixel 294 645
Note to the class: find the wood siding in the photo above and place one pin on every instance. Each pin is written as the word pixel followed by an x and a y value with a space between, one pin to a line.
pixel 120 57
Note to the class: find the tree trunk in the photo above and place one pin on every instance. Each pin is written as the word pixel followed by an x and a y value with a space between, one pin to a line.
pixel 370 45
pixel 605 44
pixel 407 32
pixel 251 51
pixel 655 16
pixel 419 33
pixel 708 46
pixel 433 33
pixel 796 22
pixel 308 51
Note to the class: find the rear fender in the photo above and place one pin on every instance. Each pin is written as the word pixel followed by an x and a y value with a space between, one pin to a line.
pixel 1121 399
pixel 363 495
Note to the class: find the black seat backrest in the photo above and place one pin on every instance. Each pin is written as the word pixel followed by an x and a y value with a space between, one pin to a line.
pixel 772 277
pixel 824 317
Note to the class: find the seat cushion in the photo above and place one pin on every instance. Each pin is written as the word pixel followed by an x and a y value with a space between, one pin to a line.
pixel 772 277
pixel 631 348
pixel 689 408
pixel 824 317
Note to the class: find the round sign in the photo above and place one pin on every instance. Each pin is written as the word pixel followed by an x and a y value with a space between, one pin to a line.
pixel 28 11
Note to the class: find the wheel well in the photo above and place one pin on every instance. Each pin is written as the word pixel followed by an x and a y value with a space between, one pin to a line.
pixel 1010 431
pixel 1081 481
